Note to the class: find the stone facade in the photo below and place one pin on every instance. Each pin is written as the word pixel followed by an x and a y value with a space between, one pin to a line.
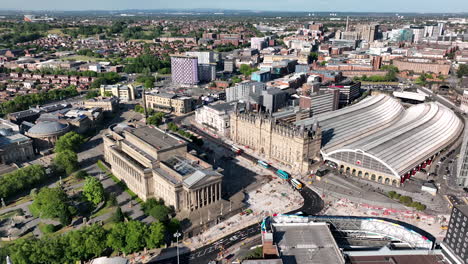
pixel 169 103
pixel 155 164
pixel 290 145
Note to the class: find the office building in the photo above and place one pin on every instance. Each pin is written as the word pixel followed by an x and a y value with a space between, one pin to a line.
pixel 124 93
pixel 368 32
pixel 204 57
pixel 184 69
pixel 261 76
pixel 274 99
pixel 455 244
pixel 169 103
pixel 107 104
pixel 229 65
pixel 418 34
pixel 320 102
pixel 259 43
pixel 156 164
pixel 349 91
pixel 206 72
pixel 215 117
pixel 243 90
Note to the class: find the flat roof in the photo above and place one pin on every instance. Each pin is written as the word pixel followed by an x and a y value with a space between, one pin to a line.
pixel 156 137
pixel 398 259
pixel 306 243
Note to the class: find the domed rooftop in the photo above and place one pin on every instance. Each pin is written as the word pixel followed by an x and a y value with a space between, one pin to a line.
pixel 48 128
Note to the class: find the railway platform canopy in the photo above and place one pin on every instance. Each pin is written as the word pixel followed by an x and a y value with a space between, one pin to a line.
pixel 379 139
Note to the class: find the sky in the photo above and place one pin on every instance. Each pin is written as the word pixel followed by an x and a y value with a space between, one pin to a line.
pixel 264 5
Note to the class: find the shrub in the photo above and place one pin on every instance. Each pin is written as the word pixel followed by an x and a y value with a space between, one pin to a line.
pixel 406 200
pixel 49 228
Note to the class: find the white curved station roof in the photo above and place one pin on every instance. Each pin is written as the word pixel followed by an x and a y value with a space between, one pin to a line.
pixel 378 133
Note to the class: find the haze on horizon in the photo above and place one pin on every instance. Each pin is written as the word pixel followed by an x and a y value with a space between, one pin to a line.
pixel 418 6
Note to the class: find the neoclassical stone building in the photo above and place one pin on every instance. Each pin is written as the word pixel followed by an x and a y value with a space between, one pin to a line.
pixel 296 146
pixel 156 164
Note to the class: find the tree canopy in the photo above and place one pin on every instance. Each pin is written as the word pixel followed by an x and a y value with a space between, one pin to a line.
pixel 93 190
pixel 21 180
pixel 66 161
pixel 70 141
pixel 52 203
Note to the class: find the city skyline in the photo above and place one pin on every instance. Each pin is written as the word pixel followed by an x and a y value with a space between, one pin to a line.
pixel 419 6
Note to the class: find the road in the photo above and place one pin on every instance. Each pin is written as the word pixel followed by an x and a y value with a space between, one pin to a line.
pixel 313 204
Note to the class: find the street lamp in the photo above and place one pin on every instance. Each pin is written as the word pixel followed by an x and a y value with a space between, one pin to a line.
pixel 177 235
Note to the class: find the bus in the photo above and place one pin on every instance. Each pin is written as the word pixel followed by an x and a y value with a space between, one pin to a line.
pixel 236 150
pixel 263 164
pixel 296 184
pixel 282 174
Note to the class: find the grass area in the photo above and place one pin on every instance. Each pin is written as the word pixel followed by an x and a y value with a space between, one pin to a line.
pixel 56 31
pixel 103 211
pixel 141 40
pixel 26 236
pixel 83 58
pixel 19 201
pixel 11 213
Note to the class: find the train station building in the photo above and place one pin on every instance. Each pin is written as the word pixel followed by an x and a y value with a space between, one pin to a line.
pixel 379 140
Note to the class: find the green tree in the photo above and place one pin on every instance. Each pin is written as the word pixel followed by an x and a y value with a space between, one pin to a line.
pixel 116 237
pixel 94 236
pixel 21 179
pixel 92 94
pixel 313 56
pixel 160 213
pixel 135 236
pixel 118 216
pixel 69 141
pixel 50 203
pixel 93 190
pixel 406 200
pixel 247 70
pixel 155 237
pixel 173 225
pixel 149 84
pixel 156 119
pixel 67 161
pixel 81 175
pixel 462 70
pixel 392 194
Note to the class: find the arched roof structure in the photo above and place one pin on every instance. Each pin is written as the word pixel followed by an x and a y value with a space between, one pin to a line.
pixel 379 134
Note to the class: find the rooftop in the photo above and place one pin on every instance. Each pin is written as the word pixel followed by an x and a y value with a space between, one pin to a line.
pixel 306 243
pixel 156 137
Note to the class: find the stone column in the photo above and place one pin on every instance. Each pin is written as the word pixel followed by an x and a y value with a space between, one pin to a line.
pixel 219 191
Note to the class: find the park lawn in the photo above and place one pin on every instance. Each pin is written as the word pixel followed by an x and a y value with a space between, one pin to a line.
pixel 9 214
pixel 83 58
pixel 141 40
pixel 26 236
pixel 71 180
pixel 56 31
pixel 104 210
pixel 19 201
